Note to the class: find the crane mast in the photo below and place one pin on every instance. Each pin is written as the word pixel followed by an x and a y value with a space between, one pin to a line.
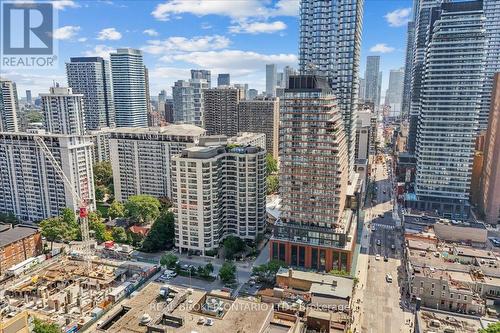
pixel 83 202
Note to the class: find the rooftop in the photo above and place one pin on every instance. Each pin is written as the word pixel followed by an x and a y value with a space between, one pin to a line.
pixel 173 129
pixel 439 321
pixel 8 236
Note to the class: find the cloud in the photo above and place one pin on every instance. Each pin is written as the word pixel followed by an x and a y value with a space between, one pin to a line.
pixel 36 81
pixel 99 51
pixel 206 26
pixel 398 17
pixel 382 48
pixel 82 39
pixel 234 61
pixel 233 9
pixel 109 34
pixel 66 32
pixel 62 4
pixel 257 27
pixel 174 45
pixel 150 32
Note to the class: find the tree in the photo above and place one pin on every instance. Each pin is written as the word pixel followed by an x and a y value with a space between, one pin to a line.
pixel 52 229
pixel 233 245
pixel 99 228
pixel 119 235
pixel 492 328
pixel 142 208
pixel 9 218
pixel 209 268
pixel 271 164
pixel 162 233
pixel 116 209
pixel 267 272
pixel 272 184
pixel 103 173
pixel 227 272
pixel 165 202
pixel 169 260
pixel 100 192
pixel 45 327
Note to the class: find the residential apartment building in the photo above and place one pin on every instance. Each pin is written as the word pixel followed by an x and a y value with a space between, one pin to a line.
pixel 30 188
pixel 218 190
pixel 188 101
pixel 63 111
pixel 221 110
pixel 410 38
pixel 141 157
pixel 334 52
pixel 261 115
pixel 18 244
pixel 372 92
pixel 394 94
pixel 129 88
pixel 202 74
pixel 100 138
pixel 9 106
pixel 363 134
pixel 91 76
pixel 315 231
pixel 447 125
pixel 490 178
pixel 249 139
pixel 271 80
pixel 223 80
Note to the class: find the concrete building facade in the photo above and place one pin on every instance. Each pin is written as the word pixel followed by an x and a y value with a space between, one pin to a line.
pixel 261 115
pixel 91 76
pixel 63 111
pixel 218 191
pixel 141 157
pixel 29 186
pixel 9 106
pixel 221 110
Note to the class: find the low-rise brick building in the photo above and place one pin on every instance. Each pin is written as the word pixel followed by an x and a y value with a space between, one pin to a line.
pixel 18 244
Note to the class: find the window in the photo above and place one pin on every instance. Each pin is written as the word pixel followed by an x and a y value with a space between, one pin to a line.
pixel 458 297
pixel 421 284
pixel 432 292
pixel 451 295
pixel 465 297
pixel 432 286
pixel 444 287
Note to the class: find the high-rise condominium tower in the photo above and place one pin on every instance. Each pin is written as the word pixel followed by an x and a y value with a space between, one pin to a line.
pixel 314 230
pixel 330 40
pixel 223 80
pixel 410 37
pixel 221 110
pixel 188 101
pixel 129 88
pixel 9 106
pixel 394 94
pixel 30 188
pixel 450 104
pixel 63 111
pixel 217 191
pixel 91 76
pixel 202 74
pixel 271 80
pixel 372 93
pixel 423 10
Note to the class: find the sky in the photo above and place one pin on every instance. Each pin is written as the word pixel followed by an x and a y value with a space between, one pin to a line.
pixel 225 36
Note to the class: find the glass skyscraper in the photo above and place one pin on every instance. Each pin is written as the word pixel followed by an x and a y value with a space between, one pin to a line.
pixel 329 44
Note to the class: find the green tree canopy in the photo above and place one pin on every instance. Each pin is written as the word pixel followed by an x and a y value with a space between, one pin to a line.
pixel 268 271
pixel 119 235
pixel 227 272
pixel 169 260
pixel 162 233
pixel 492 328
pixel 9 218
pixel 45 327
pixel 272 184
pixel 116 209
pixel 103 173
pixel 271 164
pixel 233 245
pixel 142 208
pixel 99 228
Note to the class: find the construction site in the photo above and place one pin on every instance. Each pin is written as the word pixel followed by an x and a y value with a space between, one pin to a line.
pixel 73 293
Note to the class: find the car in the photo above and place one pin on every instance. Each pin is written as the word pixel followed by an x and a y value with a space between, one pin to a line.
pixel 393 247
pixel 388 278
pixel 377 257
pixel 381 216
pixel 386 258
pixel 379 242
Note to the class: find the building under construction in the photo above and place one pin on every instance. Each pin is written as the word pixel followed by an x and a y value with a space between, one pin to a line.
pixel 73 296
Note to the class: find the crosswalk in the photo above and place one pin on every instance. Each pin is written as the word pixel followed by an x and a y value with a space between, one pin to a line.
pixel 383 226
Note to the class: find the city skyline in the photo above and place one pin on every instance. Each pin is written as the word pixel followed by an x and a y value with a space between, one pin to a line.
pixel 243 39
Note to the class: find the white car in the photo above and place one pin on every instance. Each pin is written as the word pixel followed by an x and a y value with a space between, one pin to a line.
pixel 377 257
pixel 388 278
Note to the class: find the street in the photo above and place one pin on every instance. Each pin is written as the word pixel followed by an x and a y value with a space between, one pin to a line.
pixel 380 306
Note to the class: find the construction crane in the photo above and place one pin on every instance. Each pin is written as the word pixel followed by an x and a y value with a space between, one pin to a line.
pixel 83 202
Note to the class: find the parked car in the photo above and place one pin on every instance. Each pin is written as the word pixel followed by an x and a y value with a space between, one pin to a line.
pixel 388 278
pixel 393 247
pixel 379 242
pixel 377 257
pixel 386 258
